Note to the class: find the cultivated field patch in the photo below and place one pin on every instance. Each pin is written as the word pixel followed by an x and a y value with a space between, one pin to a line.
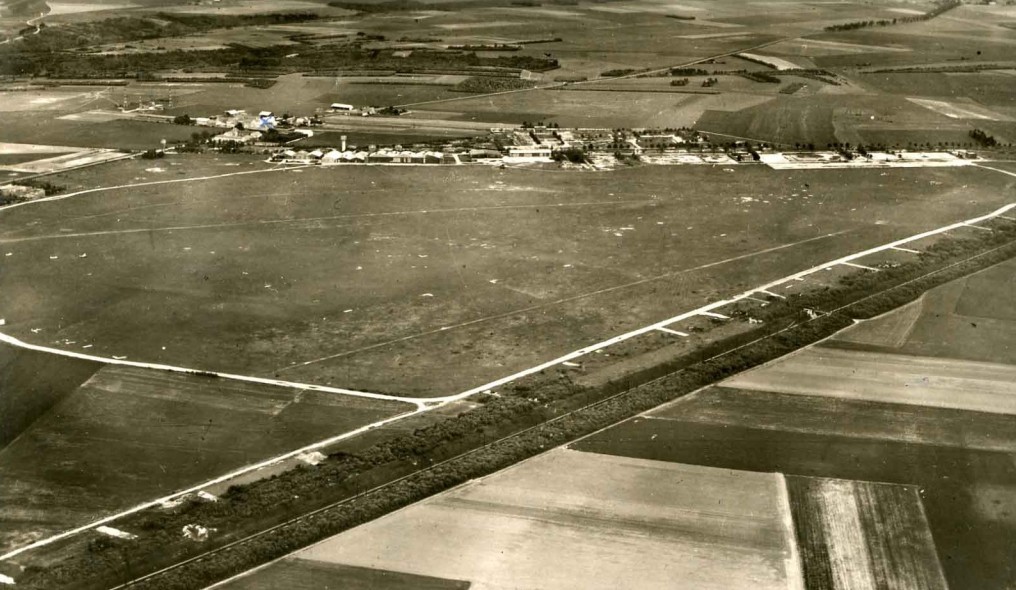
pixel 875 376
pixel 720 405
pixel 969 319
pixel 855 534
pixel 309 574
pixel 568 519
pixel 963 487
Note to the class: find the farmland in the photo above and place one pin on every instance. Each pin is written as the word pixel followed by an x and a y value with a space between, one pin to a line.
pixel 863 535
pixel 128 435
pixel 473 281
pixel 876 376
pixel 970 319
pixel 968 492
pixel 597 514
pixel 908 397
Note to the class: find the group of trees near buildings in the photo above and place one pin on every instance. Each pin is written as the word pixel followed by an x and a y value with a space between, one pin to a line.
pixel 863 24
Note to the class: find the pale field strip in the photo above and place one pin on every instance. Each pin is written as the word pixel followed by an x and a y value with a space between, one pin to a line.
pixel 424 404
pixel 66 162
pixel 795 570
pixel 601 514
pixel 888 378
pixel 912 251
pixel 958 111
pixel 776 62
pixel 33 148
pixel 827 160
pixel 674 332
pixel 848 549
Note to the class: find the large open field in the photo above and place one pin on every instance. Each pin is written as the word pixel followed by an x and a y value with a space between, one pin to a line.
pixel 569 519
pixel 428 281
pixel 126 435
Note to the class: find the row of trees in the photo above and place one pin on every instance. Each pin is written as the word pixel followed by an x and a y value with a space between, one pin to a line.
pixel 863 24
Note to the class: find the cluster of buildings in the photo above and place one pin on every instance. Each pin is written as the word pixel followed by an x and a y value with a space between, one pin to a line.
pixel 373 156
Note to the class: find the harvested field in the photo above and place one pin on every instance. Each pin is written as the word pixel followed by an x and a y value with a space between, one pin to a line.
pixel 504 256
pixel 130 435
pixel 855 534
pixel 568 519
pixel 877 376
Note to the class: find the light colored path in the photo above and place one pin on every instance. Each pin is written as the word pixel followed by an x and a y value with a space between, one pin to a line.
pixel 173 369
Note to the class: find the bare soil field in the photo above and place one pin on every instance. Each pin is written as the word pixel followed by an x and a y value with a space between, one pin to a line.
pixel 498 270
pixel 130 435
pixel 568 519
pixel 855 534
pixel 987 88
